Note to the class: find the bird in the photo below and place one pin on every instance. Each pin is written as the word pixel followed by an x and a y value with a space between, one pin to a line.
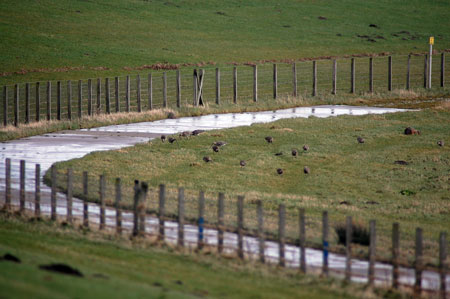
pixel 306 170
pixel 172 140
pixel 269 139
pixel 294 152
pixel 185 134
pixel 280 171
pixel 411 131
pixel 279 154
pixel 215 148
pixel 219 143
pixel 242 163
pixel 171 115
pixel 197 132
pixel 207 159
pixel 163 138
pixel 440 143
pixel 306 147
pixel 360 139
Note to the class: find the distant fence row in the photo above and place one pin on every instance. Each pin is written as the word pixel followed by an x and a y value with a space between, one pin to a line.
pixel 67 100
pixel 191 219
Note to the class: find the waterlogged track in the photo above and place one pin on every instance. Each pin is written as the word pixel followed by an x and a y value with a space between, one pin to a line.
pixel 50 148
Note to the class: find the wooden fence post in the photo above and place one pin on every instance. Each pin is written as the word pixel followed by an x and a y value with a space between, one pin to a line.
pixel 5 106
pixel 442 69
pixel 164 89
pixel 69 100
pixel 135 208
pixel 101 193
pixel 162 210
pixel 372 252
pixel 49 100
pixel 395 254
pixel 195 85
pixel 58 100
pixel 275 81
pixel 178 89
pixel 117 204
pixel 255 83
pixel 302 239
pixel 334 88
pixel 418 265
pixel 408 73
pixel 220 222
pixel 180 217
pixel 7 205
pixel 22 186
pixel 37 191
pixel 325 243
pixel 142 208
pixel 201 220
pixel 117 93
pixel 294 79
pixel 54 215
pixel 235 85
pixel 99 96
pixel 38 101
pixel 352 76
pixel 150 91
pixel 240 222
pixel 80 98
pixel 16 105
pixel 390 73
pixel 371 74
pixel 281 234
pixel 89 97
pixel 425 71
pixel 442 265
pixel 138 92
pixel 27 103
pixel 217 86
pixel 127 94
pixel 69 195
pixel 261 237
pixel 85 199
pixel 348 249
pixel 314 91
pixel 107 97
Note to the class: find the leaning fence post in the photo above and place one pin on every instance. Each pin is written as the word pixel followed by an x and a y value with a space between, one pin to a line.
pixel 5 106
pixel 135 208
pixel 217 86
pixel 118 209
pixel 235 85
pixel 408 73
pixel 16 105
pixel 261 238
pixel 138 93
pixel 348 248
pixel 89 97
pixel 22 186
pixel 58 100
pixel 37 192
pixel 80 98
pixel 85 199
pixel 442 69
pixel 127 94
pixel 181 217
pixel 418 261
pixel 164 89
pixel 142 207
pixel 314 91
pixel 220 222
pixel 371 74
pixel 395 254
pixel 27 103
pixel 178 89
pixel 334 77
pixel 255 83
pixel 8 184
pixel 53 194
pixel 294 79
pixel 101 192
pixel 69 195
pixel 281 234
pixel 116 93
pixel 201 220
pixel 390 73
pixel 352 76
pixel 325 242
pixel 442 258
pixel 49 100
pixel 162 210
pixel 275 81
pixel 107 97
pixel 302 239
pixel 372 252
pixel 240 222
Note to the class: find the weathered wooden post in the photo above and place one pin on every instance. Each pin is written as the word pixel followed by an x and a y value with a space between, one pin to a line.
pixel 281 234
pixel 240 222
pixel 135 208
pixel 27 103
pixel 22 186
pixel 107 97
pixel 89 97
pixel 302 239
pixel 99 96
pixel 261 237
pixel 58 100
pixel 255 83
pixel 85 199
pixel 395 254
pixel 334 88
pixel 5 106
pixel 38 101
pixel 235 85
pixel 138 92
pixel 294 79
pixel 7 205
pixel 117 204
pixel 127 94
pixel 164 89
pixel 69 195
pixel 390 73
pixel 217 86
pixel 314 91
pixel 372 252
pixel 201 220
pixel 69 100
pixel 117 93
pixel 16 105
pixel 348 249
pixel 195 86
pixel 162 210
pixel 49 100
pixel 178 89
pixel 325 243
pixel 80 98
pixel 101 193
pixel 275 81
pixel 142 208
pixel 352 76
pixel 37 192
pixel 54 215
pixel 150 91
pixel 220 222
pixel 180 217
pixel 418 265
pixel 442 265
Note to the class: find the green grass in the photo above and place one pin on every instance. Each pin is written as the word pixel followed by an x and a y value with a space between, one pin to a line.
pixel 76 37
pixel 341 171
pixel 117 268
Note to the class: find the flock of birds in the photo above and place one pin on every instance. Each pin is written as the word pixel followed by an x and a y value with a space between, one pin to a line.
pixel 269 139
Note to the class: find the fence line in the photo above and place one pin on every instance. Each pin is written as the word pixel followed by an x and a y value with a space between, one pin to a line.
pixel 242 230
pixel 174 89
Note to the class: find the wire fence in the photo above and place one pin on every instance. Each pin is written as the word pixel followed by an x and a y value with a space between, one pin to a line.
pixel 66 100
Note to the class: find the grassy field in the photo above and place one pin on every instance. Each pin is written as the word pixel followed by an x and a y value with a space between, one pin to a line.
pixel 84 39
pixel 117 268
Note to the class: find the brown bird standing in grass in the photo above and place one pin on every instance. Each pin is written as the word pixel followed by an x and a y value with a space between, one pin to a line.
pixel 172 140
pixel 360 139
pixel 197 132
pixel 219 143
pixel 163 138
pixel 306 147
pixel 440 143
pixel 306 170
pixel 185 134
pixel 269 139
pixel 411 131
pixel 280 171
pixel 215 148
pixel 242 163
pixel 207 159
pixel 294 152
